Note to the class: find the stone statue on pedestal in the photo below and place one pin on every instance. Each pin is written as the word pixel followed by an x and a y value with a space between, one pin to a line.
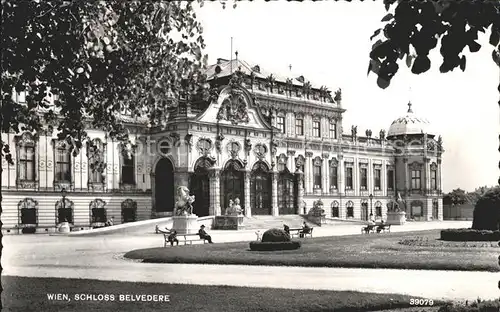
pixel 184 202
pixel 234 208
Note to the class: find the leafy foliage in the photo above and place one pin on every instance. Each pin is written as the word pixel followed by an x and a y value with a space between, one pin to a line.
pixel 275 235
pixel 487 211
pixel 455 197
pixel 101 59
pixel 416 27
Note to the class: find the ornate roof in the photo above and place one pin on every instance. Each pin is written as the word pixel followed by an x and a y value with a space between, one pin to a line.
pixel 409 124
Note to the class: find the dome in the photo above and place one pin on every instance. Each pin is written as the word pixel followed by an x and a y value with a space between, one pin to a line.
pixel 409 124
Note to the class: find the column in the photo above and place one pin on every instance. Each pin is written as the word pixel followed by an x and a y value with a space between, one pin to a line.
pixel 153 194
pixel 248 208
pixel 369 177
pixel 407 175
pixel 355 177
pixel 341 175
pixel 438 173
pixel 326 174
pixel 427 165
pixel 214 181
pixel 308 172
pixel 300 190
pixel 274 197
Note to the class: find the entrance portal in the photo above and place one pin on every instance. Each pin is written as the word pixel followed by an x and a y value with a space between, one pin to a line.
pixel 260 189
pixel 200 188
pixel 232 184
pixel 164 186
pixel 287 193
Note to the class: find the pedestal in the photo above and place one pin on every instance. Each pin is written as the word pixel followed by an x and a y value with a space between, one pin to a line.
pixel 396 217
pixel 185 224
pixel 64 227
pixel 228 222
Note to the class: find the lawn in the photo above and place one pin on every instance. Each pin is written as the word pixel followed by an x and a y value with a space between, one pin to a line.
pixel 409 250
pixel 30 294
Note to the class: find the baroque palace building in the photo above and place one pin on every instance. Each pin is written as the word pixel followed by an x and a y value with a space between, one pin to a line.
pixel 276 144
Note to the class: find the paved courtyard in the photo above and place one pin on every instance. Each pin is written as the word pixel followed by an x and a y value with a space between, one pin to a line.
pixel 100 258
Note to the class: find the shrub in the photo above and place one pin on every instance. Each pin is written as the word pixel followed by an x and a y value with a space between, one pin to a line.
pixel 469 235
pixel 487 211
pixel 275 235
pixel 270 246
pixel 476 306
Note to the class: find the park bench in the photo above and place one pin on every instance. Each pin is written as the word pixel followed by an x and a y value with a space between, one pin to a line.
pixel 297 231
pixel 384 228
pixel 184 238
pixel 370 228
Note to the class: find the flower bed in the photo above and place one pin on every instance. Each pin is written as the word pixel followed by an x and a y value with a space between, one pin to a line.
pixel 271 246
pixel 469 235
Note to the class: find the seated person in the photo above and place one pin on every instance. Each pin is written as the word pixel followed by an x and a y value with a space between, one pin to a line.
pixel 110 222
pixel 173 238
pixel 204 235
pixel 286 228
pixel 305 230
pixel 381 226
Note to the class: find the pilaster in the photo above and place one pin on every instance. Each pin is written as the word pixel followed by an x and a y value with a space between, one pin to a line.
pixel 214 181
pixel 275 210
pixel 326 173
pixel 308 173
pixel 341 175
pixel 300 190
pixel 248 208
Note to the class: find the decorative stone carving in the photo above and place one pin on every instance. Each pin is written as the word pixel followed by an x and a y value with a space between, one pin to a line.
pixel 354 132
pixel 415 166
pixel 334 162
pixel 248 146
pixel 317 161
pixel 188 140
pixel 184 201
pixel 433 166
pixel 260 151
pixel 204 145
pixel 282 159
pixel 218 142
pixel 381 134
pixel 325 155
pixel 439 143
pixel 234 109
pixel 274 146
pixel 309 154
pixel 290 153
pixel 233 149
pixel 175 137
pixel 338 96
pixel 299 161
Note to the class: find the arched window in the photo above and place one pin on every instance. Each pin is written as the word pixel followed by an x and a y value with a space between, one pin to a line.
pixel 28 216
pixel 26 165
pixel 435 209
pixel 232 183
pixel 260 189
pixel 127 165
pixel 97 212
pixel 317 177
pixel 350 209
pixel 287 191
pixel 95 154
pixel 129 210
pixel 64 210
pixel 433 176
pixel 378 209
pixel 333 174
pixel 335 209
pixel 364 209
pixel 62 165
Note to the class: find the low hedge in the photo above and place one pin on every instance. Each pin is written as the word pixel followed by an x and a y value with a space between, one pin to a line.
pixel 469 235
pixel 476 306
pixel 271 246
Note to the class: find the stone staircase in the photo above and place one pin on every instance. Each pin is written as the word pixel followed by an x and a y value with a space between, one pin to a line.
pixel 268 222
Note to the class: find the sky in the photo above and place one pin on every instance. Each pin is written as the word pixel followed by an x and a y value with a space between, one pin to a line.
pixel 329 43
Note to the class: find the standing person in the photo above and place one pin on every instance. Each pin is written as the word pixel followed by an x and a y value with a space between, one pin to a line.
pixel 173 238
pixel 305 230
pixel 204 235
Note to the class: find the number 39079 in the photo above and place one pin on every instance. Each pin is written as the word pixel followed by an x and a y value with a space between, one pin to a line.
pixel 421 302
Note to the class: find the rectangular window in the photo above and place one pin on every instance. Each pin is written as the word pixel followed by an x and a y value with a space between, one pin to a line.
pixel 350 212
pixel 63 165
pixel 299 126
pixel 433 180
pixel 348 178
pixel 333 178
pixel 316 129
pixel 333 130
pixel 317 176
pixel 378 211
pixel 390 180
pixel 415 180
pixel 26 163
pixel 281 123
pixel 376 179
pixel 363 173
pixel 128 173
pixel 98 215
pixel 416 211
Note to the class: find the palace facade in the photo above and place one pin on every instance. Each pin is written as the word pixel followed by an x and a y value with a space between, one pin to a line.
pixel 275 143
